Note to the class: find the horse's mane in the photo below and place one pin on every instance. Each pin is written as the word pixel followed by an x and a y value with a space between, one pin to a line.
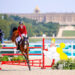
pixel 14 29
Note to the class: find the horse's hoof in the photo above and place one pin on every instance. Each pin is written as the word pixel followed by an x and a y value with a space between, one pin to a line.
pixel 29 69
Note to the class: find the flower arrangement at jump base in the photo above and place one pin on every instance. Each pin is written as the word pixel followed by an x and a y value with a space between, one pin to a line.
pixel 54 52
pixel 65 64
pixel 61 59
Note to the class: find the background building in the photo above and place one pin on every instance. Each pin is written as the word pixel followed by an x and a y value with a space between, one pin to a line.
pixel 61 18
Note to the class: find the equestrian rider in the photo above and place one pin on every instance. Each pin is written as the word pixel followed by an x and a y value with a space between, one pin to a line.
pixel 22 33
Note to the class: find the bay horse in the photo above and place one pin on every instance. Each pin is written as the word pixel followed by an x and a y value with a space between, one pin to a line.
pixel 24 46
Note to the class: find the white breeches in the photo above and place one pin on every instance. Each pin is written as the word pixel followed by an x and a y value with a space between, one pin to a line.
pixel 19 38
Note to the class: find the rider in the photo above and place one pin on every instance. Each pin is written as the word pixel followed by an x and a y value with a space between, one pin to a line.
pixel 22 33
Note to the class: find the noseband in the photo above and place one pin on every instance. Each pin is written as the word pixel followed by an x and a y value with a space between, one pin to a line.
pixel 26 41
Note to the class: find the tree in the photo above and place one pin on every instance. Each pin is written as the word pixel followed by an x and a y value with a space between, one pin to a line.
pixel 5 26
pixel 13 24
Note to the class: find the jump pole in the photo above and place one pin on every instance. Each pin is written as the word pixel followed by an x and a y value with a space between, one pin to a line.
pixel 43 57
pixel 0 68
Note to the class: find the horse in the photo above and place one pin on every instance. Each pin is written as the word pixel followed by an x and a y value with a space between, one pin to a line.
pixel 24 46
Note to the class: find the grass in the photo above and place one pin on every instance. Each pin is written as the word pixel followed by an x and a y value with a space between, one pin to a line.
pixel 35 40
pixel 68 33
pixel 40 39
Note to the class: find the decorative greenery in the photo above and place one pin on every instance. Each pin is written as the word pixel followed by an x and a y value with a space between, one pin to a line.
pixel 14 59
pixel 5 58
pixel 18 58
pixel 0 59
pixel 68 64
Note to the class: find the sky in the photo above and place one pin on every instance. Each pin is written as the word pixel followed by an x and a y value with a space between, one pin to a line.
pixel 45 6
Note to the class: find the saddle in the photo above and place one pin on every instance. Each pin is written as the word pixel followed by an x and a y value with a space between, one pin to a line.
pixel 24 41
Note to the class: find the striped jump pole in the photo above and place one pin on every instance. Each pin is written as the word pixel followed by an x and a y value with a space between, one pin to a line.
pixel 0 68
pixel 43 56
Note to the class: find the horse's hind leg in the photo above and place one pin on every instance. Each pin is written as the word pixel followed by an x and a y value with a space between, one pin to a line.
pixel 27 61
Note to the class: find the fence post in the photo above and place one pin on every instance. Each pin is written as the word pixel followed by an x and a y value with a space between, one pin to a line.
pixel 72 48
pixel 43 58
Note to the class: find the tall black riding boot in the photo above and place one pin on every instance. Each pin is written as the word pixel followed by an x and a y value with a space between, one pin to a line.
pixel 18 47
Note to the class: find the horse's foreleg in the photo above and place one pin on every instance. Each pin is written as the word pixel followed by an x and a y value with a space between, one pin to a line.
pixel 27 61
pixel 16 44
pixel 28 55
pixel 27 52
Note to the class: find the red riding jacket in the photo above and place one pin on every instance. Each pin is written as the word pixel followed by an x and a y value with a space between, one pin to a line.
pixel 22 30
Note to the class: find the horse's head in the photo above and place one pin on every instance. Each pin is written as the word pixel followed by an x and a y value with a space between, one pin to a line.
pixel 26 43
pixel 15 34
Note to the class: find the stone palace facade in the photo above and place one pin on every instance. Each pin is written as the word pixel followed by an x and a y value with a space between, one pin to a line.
pixel 61 18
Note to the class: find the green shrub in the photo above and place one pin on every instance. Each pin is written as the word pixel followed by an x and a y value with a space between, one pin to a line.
pixel 21 58
pixel 0 59
pixel 69 60
pixel 54 66
pixel 74 60
pixel 5 58
pixel 14 59
pixel 61 61
pixel 67 64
